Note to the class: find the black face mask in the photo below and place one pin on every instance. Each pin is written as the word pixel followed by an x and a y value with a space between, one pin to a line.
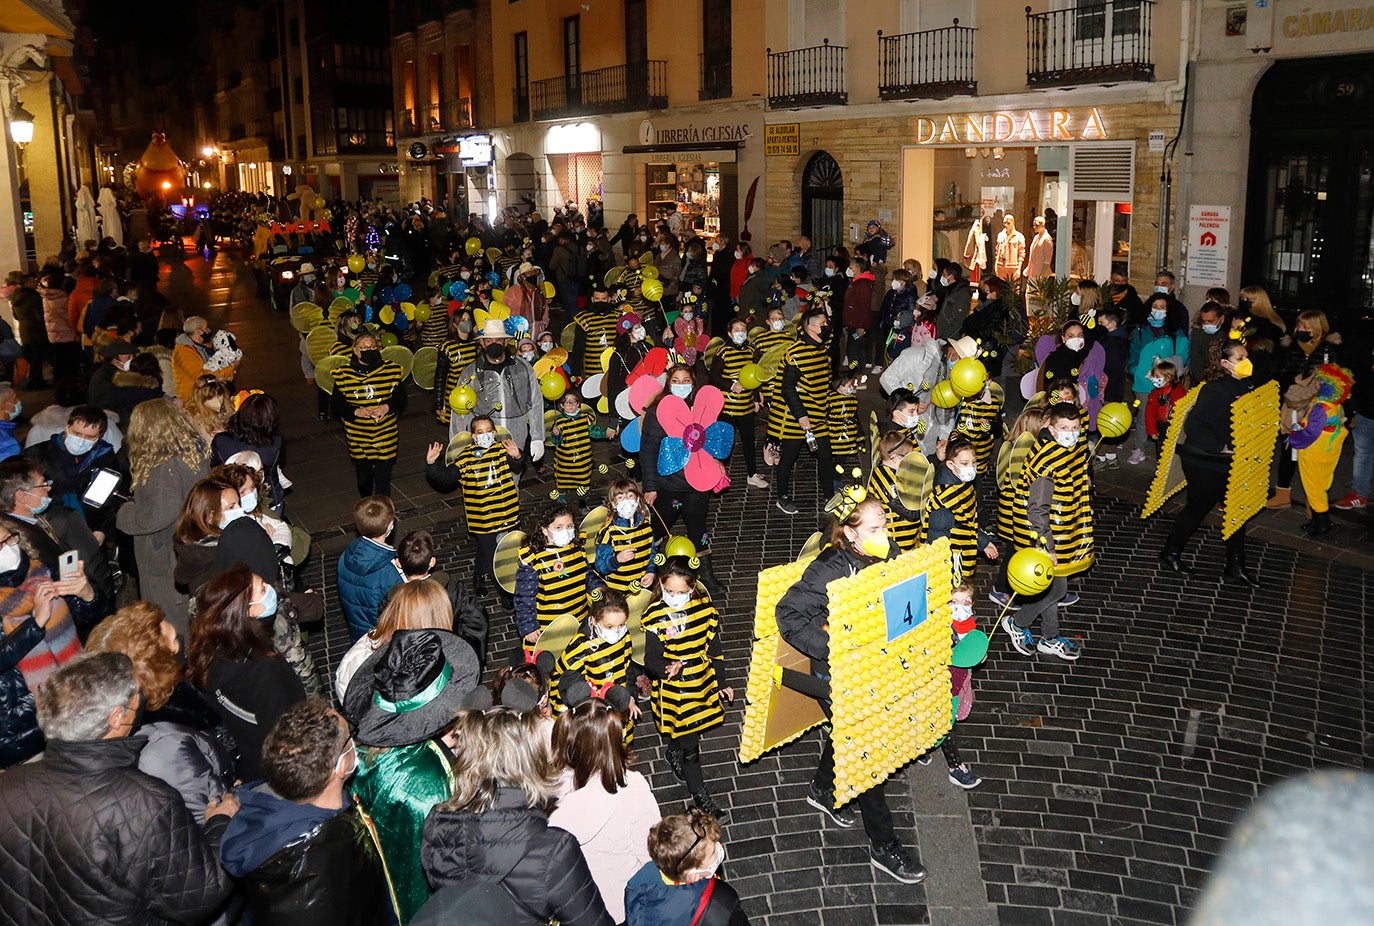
pixel 496 352
pixel 1302 336
pixel 371 358
pixel 824 333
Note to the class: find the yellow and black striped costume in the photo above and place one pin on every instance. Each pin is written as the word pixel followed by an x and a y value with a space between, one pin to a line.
pixel 490 496
pixel 690 702
pixel 765 341
pixel 1071 515
pixel 732 359
pixel 812 361
pixel 435 329
pixel 369 438
pixel 624 577
pixel 976 423
pixel 339 348
pixel 562 577
pixel 598 330
pixel 844 424
pixel 599 662
pixel 453 357
pixel 367 282
pixel 504 263
pixel 572 451
pixel 961 500
pixel 882 485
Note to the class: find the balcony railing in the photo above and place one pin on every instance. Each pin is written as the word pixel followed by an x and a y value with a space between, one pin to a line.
pixel 1096 43
pixel 458 113
pixel 715 75
pixel 623 88
pixel 807 77
pixel 437 117
pixel 935 63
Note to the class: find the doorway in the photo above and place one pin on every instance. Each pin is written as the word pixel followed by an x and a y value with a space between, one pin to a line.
pixel 823 202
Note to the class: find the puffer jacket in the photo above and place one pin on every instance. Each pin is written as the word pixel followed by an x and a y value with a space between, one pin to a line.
pixel 189 748
pixel 649 901
pixel 366 572
pixel 85 837
pixel 541 866
pixel 60 330
pixel 20 738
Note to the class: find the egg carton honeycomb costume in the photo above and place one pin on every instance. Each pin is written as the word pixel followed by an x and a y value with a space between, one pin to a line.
pixel 890 651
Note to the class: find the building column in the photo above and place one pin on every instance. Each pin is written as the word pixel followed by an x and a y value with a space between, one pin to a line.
pixel 45 168
pixel 11 229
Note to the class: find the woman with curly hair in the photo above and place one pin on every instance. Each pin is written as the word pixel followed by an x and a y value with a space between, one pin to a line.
pixel 211 404
pixel 167 457
pixel 187 747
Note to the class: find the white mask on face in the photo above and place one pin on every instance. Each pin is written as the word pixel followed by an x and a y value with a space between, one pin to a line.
pixel 681 390
pixel 687 315
pixel 932 275
pixel 485 441
pixel 966 473
pixel 849 272
pixel 1157 382
pixel 1074 343
pixel 1076 299
pixel 562 537
pixel 777 324
pixel 637 333
pixel 10 557
pixel 527 355
pixel 1161 289
pixel 612 634
pixel 627 508
pixel 739 255
pixel 1066 438
pixel 830 271
pixel 753 270
pixel 896 285
pixel 249 501
pixel 676 601
pixel 739 337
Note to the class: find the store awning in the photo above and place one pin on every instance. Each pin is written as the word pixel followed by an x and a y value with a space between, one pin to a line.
pixel 698 148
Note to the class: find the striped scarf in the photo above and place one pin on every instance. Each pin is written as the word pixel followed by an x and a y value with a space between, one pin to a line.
pixel 59 642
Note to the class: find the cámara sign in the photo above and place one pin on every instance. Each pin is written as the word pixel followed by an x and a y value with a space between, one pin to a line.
pixel 1328 22
pixel 1031 125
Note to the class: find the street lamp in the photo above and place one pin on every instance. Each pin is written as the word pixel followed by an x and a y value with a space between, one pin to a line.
pixel 21 124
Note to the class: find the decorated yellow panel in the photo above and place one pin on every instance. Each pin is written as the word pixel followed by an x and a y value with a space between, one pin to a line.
pixel 1254 429
pixel 1169 476
pixel 766 725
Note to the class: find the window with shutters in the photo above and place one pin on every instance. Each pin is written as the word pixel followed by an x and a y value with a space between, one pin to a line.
pixel 813 22
pixel 1103 171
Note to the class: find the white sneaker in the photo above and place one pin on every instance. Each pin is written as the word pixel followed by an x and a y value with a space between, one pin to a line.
pixel 1136 458
pixel 757 481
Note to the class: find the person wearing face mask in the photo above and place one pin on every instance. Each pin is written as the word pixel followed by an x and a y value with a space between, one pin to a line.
pixel 457 352
pixel 857 316
pixel 1311 345
pixel 11 406
pixel 231 659
pixel 858 539
pixel 525 297
pixel 593 333
pixel 631 347
pixel 71 457
pixel 741 404
pixel 1164 336
pixel 1051 511
pixel 299 847
pixel 369 398
pixel 798 416
pixel 953 508
pixel 193 349
pixel 1204 449
pixel 117 354
pixel 553 575
pixel 1210 328
pixel 1069 358
pixel 741 258
pixel 752 299
pixel 571 428
pixel 625 234
pixel 682 883
pixel 955 302
pixel 600 653
pixel 507 391
pixel 689 330
pixel 626 547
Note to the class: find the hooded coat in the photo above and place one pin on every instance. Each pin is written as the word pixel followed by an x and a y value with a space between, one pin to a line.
pixel 150 517
pixel 366 572
pixel 651 901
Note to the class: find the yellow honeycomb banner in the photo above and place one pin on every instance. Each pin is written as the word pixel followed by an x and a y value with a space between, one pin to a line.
pixel 1169 476
pixel 1254 434
pixel 774 716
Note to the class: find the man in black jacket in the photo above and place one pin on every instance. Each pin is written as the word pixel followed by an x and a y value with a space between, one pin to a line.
pixel 298 844
pixel 85 837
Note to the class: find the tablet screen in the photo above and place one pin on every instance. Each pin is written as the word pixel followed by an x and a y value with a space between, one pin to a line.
pixel 101 488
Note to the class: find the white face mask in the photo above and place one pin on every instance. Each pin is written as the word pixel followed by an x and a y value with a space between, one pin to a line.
pixel 830 271
pixel 753 270
pixel 849 272
pixel 562 537
pixel 711 870
pixel 1159 313
pixel 527 355
pixel 637 333
pixel 1161 289
pixel 739 337
pixel 249 501
pixel 960 611
pixel 1066 438
pixel 10 557
pixel 687 315
pixel 681 390
pixel 897 285
pixel 1076 299
pixel 627 507
pixel 966 473
pixel 739 255
pixel 932 275
pixel 612 634
pixel 676 601
pixel 777 324
pixel 1157 382
pixel 1210 329
pixel 1074 343
pixel 229 516
pixel 466 274
pixel 486 440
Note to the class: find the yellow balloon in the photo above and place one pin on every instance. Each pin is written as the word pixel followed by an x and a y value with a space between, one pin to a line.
pixel 1114 419
pixel 356 263
pixel 548 290
pixel 473 247
pixel 389 339
pixel 649 272
pixel 679 545
pixel 552 386
pixel 652 290
pixel 387 315
pixel 423 311
pixel 968 377
pixel 750 376
pixel 1030 571
pixel 462 399
pixel 944 395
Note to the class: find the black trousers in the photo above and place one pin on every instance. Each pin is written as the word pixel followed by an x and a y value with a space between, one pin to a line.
pixel 374 476
pixel 872 803
pixel 688 746
pixel 486 554
pixel 1206 489
pixel 1287 466
pixel 694 510
pixel 35 354
pixel 744 440
pixel 825 467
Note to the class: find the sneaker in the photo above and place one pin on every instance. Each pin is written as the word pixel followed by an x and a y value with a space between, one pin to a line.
pixel 704 801
pixel 1021 638
pixel 926 759
pixel 1136 458
pixel 786 507
pixel 840 816
pixel 1061 647
pixel 894 859
pixel 1110 461
pixel 1069 599
pixel 964 777
pixel 757 481
pixel 1352 502
pixel 1003 600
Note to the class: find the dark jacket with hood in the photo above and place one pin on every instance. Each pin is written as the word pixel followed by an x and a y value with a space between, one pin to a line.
pixel 541 866
pixel 650 901
pixel 366 572
pixel 85 837
pixel 804 609
pixel 302 865
pixel 71 474
pixel 955 306
pixel 189 748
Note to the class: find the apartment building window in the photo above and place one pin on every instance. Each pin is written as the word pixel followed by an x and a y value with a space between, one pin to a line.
pixel 812 22
pixel 522 76
pixel 465 86
pixel 408 120
pixel 434 67
pixel 715 50
pixel 297 91
pixel 572 57
pixel 637 36
pixel 293 30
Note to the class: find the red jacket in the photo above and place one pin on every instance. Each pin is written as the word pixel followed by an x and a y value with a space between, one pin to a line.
pixel 858 302
pixel 1159 406
pixel 739 272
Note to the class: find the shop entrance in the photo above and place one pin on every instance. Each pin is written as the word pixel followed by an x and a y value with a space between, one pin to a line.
pixel 1309 215
pixel 823 202
pixel 524 185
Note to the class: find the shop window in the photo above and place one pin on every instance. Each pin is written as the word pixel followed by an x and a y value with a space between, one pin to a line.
pixel 521 62
pixel 823 202
pixel 523 185
pixel 688 194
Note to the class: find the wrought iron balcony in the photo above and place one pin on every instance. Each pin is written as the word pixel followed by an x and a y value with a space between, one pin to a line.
pixel 932 64
pixel 807 77
pixel 623 88
pixel 715 74
pixel 1090 43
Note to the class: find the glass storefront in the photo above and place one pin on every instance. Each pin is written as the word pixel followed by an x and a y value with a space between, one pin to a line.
pixel 685 194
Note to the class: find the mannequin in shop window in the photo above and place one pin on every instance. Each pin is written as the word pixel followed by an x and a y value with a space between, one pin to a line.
pixel 976 251
pixel 1011 250
pixel 1040 257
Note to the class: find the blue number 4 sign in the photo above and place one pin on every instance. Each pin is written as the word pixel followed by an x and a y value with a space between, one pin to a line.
pixel 906 606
